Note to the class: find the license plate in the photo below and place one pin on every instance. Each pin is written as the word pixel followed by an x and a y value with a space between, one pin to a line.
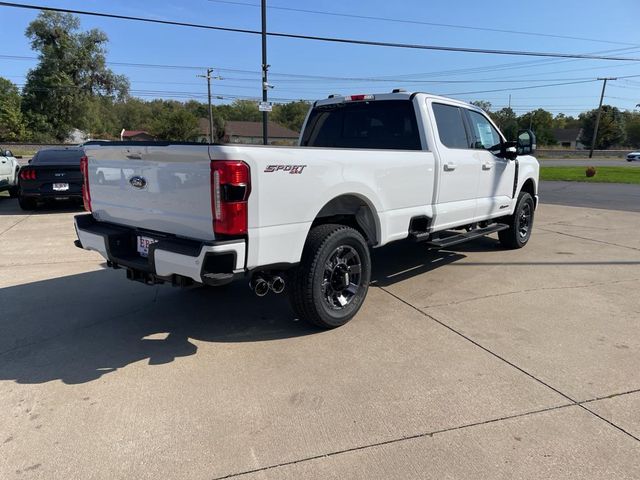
pixel 143 245
pixel 60 187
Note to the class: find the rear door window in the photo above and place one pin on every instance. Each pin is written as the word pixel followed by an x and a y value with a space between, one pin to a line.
pixel 450 123
pixel 384 124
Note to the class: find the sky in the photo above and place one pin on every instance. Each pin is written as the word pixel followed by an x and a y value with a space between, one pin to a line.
pixel 169 58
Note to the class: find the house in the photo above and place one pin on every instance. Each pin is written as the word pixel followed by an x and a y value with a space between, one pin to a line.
pixel 136 136
pixel 251 133
pixel 568 138
pixel 77 136
pixel 203 131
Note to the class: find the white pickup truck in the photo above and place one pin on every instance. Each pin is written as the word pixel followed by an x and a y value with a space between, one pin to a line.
pixel 9 169
pixel 369 170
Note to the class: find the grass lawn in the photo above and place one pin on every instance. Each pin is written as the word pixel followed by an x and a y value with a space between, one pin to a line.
pixel 603 174
pixel 18 152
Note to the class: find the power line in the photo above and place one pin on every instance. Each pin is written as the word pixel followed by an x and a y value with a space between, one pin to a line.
pixel 419 22
pixel 373 43
pixel 402 78
pixel 519 88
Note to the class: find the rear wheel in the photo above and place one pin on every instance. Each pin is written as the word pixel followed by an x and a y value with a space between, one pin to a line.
pixel 27 203
pixel 520 223
pixel 332 280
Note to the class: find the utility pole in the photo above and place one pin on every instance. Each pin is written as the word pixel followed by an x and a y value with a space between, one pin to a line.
pixel 595 129
pixel 209 78
pixel 265 68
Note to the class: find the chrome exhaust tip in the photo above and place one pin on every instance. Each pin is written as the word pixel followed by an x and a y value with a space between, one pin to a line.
pixel 259 286
pixel 277 284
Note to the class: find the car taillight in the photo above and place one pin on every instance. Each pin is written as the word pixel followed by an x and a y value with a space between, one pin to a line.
pixel 86 193
pixel 230 189
pixel 28 174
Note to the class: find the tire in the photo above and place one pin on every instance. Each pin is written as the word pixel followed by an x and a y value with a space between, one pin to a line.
pixel 520 223
pixel 332 256
pixel 27 203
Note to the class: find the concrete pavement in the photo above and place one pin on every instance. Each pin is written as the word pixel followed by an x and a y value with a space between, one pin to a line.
pixel 473 363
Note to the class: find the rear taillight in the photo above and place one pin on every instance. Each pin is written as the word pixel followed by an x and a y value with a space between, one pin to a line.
pixel 28 174
pixel 230 188
pixel 86 193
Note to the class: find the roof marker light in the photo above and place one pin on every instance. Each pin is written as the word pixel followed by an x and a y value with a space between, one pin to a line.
pixel 359 98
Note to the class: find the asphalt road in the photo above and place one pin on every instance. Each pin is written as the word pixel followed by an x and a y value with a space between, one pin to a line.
pixel 473 363
pixel 613 196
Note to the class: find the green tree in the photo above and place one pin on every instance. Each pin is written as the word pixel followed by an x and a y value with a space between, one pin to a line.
pixel 507 120
pixel 291 115
pixel 71 76
pixel 563 121
pixel 11 121
pixel 541 123
pixel 176 125
pixel 483 104
pixel 632 127
pixel 611 130
pixel 244 110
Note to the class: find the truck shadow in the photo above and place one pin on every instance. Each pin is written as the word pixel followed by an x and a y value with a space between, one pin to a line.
pixel 80 327
pixel 9 206
pixel 406 259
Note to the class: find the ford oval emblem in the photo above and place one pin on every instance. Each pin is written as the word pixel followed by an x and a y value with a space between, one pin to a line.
pixel 138 182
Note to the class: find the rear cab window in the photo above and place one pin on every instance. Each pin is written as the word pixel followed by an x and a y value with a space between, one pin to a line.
pixel 381 124
pixel 57 157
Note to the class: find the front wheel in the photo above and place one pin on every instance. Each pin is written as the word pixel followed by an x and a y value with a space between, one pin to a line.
pixel 332 280
pixel 520 223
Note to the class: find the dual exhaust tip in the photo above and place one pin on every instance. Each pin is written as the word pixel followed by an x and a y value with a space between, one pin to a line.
pixel 261 285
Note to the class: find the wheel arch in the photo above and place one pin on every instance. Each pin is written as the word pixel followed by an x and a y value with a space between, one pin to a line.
pixel 529 186
pixel 354 210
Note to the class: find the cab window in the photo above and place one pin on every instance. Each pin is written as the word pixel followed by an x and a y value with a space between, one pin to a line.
pixel 484 135
pixel 450 122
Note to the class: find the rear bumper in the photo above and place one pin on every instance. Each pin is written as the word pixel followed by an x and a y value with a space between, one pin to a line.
pixel 171 259
pixel 46 191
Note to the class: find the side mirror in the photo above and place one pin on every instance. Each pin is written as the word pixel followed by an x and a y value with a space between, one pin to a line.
pixel 506 150
pixel 526 144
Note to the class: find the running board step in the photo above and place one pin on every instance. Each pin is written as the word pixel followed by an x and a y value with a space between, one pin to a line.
pixel 451 240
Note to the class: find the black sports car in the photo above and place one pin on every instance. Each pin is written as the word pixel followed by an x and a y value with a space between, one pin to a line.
pixel 51 175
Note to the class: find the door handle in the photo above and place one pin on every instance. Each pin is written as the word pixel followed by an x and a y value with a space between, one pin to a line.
pixel 487 166
pixel 449 167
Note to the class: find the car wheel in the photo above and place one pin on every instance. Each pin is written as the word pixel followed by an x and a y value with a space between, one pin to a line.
pixel 27 203
pixel 520 223
pixel 332 280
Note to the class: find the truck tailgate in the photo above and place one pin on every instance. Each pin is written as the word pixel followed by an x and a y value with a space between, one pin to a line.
pixel 164 188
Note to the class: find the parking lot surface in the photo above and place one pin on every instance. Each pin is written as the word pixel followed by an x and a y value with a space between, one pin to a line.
pixel 473 363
